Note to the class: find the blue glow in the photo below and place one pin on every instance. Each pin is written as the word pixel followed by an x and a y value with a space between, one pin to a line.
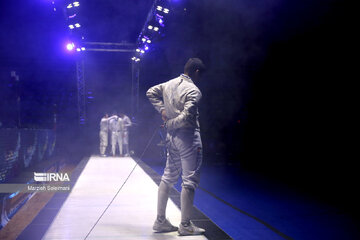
pixel 14 194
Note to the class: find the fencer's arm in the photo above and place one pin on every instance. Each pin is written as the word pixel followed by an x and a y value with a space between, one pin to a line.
pixel 111 118
pixel 189 111
pixel 127 122
pixel 155 95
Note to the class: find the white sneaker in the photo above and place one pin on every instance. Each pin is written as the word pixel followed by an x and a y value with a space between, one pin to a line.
pixel 164 226
pixel 190 229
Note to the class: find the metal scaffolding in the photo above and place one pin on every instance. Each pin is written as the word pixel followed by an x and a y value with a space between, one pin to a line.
pixel 135 88
pixel 81 90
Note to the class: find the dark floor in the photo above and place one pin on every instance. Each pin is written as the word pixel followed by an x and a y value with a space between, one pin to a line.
pixel 247 206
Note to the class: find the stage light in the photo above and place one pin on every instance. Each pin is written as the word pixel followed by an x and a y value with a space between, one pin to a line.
pixel 77 25
pixel 143 39
pixel 76 4
pixel 148 41
pixel 159 8
pixel 146 48
pixel 69 6
pixel 161 21
pixel 156 29
pixel 166 10
pixel 133 58
pixel 70 46
pixel 150 27
pixel 142 51
pixel 137 60
pixel 78 49
pixel 138 50
pixel 82 49
pixel 71 26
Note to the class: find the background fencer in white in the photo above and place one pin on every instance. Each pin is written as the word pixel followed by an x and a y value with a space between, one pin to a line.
pixel 104 130
pixel 177 101
pixel 126 124
pixel 116 128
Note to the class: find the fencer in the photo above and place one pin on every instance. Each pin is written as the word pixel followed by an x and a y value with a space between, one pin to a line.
pixel 104 130
pixel 126 125
pixel 177 102
pixel 116 128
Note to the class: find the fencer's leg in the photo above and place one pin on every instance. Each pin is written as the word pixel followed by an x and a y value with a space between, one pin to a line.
pixel 161 223
pixel 126 146
pixel 187 201
pixel 105 143
pixel 101 143
pixel 119 141
pixel 163 196
pixel 113 143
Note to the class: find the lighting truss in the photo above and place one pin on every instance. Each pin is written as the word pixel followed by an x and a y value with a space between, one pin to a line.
pixel 152 28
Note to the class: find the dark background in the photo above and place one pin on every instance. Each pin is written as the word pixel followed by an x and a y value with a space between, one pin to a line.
pixel 277 96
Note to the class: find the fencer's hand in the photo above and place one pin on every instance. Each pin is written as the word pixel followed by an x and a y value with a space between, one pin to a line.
pixel 163 115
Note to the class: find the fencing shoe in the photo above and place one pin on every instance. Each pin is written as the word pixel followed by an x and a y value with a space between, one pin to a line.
pixel 163 226
pixel 190 229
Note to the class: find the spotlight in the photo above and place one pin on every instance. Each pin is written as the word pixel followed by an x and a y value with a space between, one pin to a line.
pixel 133 58
pixel 146 48
pixel 82 49
pixel 159 8
pixel 71 26
pixel 148 41
pixel 143 39
pixel 77 25
pixel 150 27
pixel 78 49
pixel 138 50
pixel 76 4
pixel 166 10
pixel 137 60
pixel 142 51
pixel 156 29
pixel 69 6
pixel 70 46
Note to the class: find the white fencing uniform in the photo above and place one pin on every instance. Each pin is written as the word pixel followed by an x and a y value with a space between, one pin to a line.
pixel 126 124
pixel 103 135
pixel 116 127
pixel 179 98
